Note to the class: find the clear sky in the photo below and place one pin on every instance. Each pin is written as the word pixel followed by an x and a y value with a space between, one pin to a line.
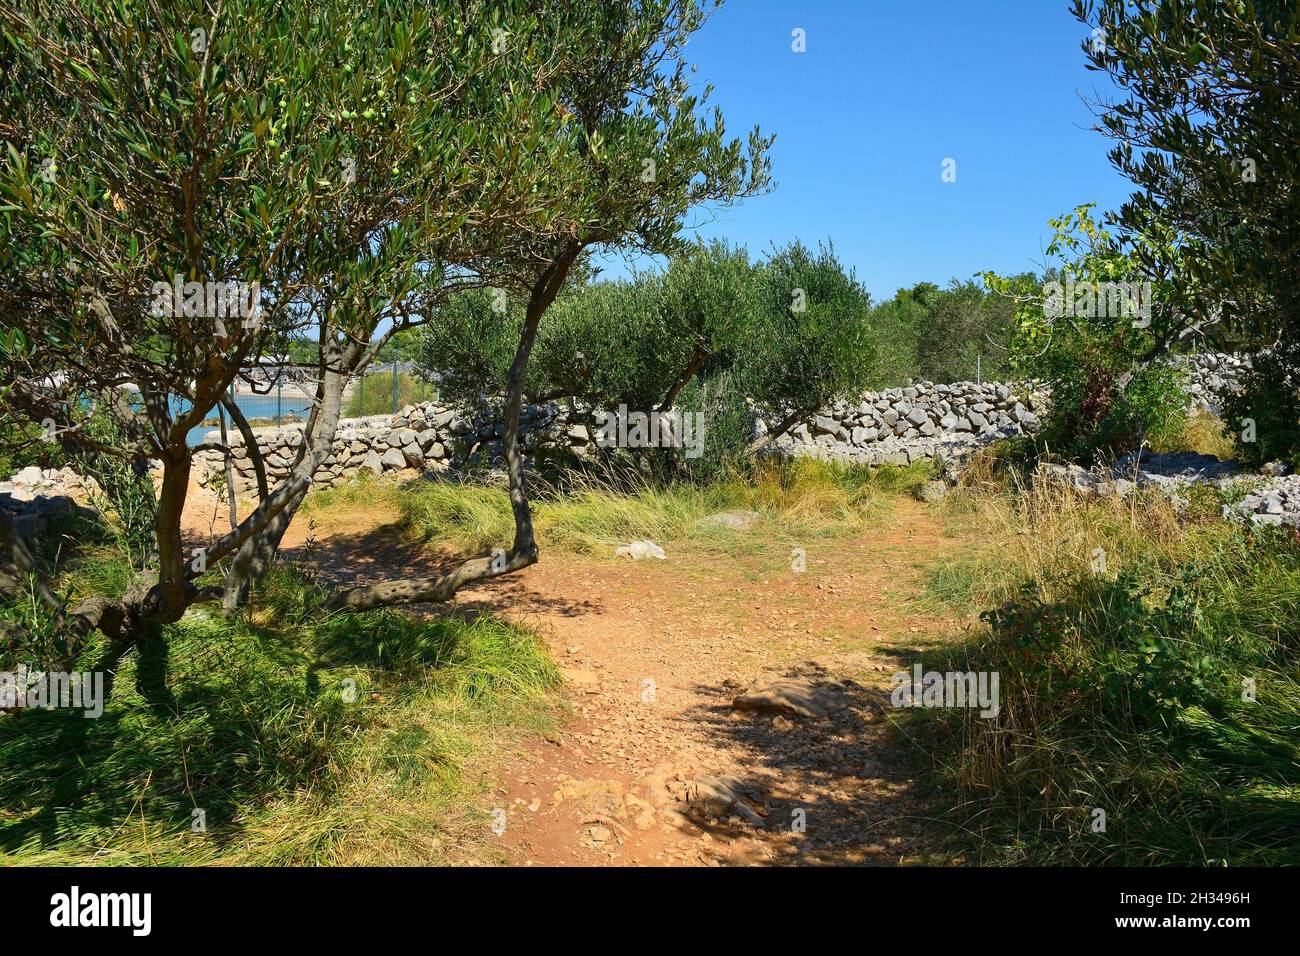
pixel 886 91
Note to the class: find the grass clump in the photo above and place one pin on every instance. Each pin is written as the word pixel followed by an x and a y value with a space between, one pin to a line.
pixel 1201 431
pixel 1129 645
pixel 583 514
pixel 296 737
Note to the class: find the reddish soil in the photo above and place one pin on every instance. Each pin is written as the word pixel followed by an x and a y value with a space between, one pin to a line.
pixel 654 766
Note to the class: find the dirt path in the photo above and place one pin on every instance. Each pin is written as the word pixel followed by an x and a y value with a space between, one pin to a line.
pixel 658 767
pixel 655 766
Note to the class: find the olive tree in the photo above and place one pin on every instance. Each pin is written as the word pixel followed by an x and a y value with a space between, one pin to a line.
pixel 187 189
pixel 777 338
pixel 1205 125
pixel 635 342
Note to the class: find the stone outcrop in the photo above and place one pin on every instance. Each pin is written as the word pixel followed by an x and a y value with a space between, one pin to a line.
pixel 1275 502
pixel 34 496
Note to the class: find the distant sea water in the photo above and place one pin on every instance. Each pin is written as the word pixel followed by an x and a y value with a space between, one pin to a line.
pixel 286 408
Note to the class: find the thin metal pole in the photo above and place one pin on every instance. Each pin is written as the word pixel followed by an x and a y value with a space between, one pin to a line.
pixel 229 464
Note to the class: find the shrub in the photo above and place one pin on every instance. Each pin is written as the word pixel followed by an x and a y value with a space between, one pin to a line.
pixel 714 334
pixel 1264 417
pixel 373 394
pixel 1123 690
pixel 1092 332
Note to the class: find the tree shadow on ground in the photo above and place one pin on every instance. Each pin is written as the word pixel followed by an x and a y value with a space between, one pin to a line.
pixel 386 553
pixel 839 790
pixel 234 725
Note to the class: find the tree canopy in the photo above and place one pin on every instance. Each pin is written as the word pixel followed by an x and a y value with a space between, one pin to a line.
pixel 185 191
pixel 1205 127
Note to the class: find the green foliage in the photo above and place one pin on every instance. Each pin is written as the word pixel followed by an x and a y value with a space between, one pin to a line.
pixel 287 93
pixel 373 394
pixel 712 333
pixel 605 343
pixel 126 491
pixel 950 335
pixel 1153 666
pixel 358 162
pixel 814 342
pixel 22 445
pixel 896 324
pixel 1092 341
pixel 1270 401
pixel 1205 127
pixel 278 717
pixel 1125 691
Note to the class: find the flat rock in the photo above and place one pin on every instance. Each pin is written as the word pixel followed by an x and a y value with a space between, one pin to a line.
pixel 932 491
pixel 714 796
pixel 789 695
pixel 638 550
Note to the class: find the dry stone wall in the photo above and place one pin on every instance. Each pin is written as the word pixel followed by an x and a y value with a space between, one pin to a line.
pixel 34 496
pixel 902 425
pixel 419 438
pixel 1210 376
pixel 944 422
pixel 894 426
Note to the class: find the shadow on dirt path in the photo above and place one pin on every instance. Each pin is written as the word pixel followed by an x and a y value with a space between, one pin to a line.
pixel 656 766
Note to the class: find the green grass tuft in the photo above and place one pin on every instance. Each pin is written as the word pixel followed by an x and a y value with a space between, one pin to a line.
pixel 807 498
pixel 304 737
pixel 1121 686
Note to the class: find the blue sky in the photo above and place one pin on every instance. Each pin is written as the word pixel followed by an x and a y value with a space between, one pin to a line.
pixel 885 92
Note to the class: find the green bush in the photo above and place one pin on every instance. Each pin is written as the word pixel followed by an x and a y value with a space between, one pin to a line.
pixel 1091 331
pixel 1264 418
pixel 712 334
pixel 126 491
pixel 1127 693
pixel 21 447
pixel 955 334
pixel 373 394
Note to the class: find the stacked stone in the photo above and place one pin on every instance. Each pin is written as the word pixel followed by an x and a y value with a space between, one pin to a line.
pixel 1276 502
pixel 895 426
pixel 419 438
pixel 34 496
pixel 543 429
pixel 1211 376
pixel 1272 500
pixel 1170 472
pixel 899 425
